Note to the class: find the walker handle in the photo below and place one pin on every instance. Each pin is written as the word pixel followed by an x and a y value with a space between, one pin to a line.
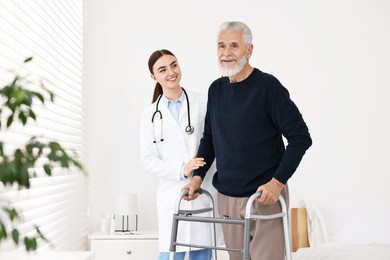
pixel 185 192
pixel 257 195
pixel 282 214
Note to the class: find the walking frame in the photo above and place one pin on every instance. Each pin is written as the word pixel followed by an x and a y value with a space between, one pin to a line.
pixel 188 215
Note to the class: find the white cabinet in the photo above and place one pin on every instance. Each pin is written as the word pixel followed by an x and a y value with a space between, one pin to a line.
pixel 142 246
pixel 49 255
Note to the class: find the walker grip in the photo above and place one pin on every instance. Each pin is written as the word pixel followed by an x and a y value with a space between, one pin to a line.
pixel 185 192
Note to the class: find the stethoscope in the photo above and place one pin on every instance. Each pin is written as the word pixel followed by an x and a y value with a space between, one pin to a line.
pixel 189 128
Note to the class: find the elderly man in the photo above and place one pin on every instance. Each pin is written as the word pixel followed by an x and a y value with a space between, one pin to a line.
pixel 248 112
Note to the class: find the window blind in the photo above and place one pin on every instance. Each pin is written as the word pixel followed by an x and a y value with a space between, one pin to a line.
pixel 52 33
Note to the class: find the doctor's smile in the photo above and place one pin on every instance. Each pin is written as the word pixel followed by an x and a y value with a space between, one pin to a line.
pixel 172 79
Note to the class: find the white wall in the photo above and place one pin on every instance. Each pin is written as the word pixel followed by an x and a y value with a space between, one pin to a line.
pixel 332 55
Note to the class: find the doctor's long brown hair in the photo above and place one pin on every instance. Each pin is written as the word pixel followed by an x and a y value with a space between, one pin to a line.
pixel 152 60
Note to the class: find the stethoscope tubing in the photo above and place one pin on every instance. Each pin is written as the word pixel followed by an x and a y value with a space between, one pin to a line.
pixel 189 128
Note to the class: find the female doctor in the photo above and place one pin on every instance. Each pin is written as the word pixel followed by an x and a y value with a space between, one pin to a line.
pixel 171 128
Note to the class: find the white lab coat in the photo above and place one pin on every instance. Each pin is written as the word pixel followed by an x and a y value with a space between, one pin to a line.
pixel 165 159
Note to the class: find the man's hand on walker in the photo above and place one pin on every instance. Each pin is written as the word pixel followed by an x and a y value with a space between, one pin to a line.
pixel 193 186
pixel 270 192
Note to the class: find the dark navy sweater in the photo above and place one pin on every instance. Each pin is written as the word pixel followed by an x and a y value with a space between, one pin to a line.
pixel 243 131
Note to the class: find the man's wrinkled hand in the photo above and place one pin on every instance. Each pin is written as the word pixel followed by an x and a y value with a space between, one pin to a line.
pixel 192 187
pixel 270 192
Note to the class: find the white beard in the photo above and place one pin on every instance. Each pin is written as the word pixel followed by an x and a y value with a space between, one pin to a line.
pixel 232 71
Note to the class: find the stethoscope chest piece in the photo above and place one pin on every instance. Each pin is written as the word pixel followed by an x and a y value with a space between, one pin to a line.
pixel 190 129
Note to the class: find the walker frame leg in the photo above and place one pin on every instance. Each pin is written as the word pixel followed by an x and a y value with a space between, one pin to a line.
pixel 246 222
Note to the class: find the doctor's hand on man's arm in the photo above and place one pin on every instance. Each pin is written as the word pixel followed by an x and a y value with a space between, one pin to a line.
pixel 193 186
pixel 193 164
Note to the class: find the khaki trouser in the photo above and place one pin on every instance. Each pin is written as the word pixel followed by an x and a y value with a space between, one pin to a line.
pixel 267 239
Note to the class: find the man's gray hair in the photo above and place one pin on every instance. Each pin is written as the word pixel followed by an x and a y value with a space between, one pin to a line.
pixel 237 26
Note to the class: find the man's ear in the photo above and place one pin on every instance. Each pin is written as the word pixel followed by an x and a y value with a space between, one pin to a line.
pixel 250 50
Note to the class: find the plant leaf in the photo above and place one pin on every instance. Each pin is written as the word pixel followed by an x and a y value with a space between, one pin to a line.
pixel 28 59
pixel 12 213
pixel 47 169
pixel 3 232
pixel 23 118
pixel 10 120
pixel 39 96
pixel 32 114
pixel 15 236
pixel 30 243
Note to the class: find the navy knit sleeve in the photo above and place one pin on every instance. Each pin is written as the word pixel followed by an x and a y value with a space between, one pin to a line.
pixel 287 117
pixel 206 147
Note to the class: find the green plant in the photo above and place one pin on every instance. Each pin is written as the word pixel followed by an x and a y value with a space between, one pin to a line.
pixel 17 101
